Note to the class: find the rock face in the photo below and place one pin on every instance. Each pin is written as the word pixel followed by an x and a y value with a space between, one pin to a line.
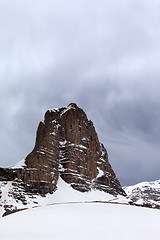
pixel 67 145
pixel 145 194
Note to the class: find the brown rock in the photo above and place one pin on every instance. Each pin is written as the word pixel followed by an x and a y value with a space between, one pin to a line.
pixel 67 145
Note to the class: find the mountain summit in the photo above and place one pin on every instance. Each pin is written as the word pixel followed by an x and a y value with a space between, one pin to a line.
pixel 67 147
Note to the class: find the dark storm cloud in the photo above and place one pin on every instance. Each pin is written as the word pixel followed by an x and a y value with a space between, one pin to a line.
pixel 104 55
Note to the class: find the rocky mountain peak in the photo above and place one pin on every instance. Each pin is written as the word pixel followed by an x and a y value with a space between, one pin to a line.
pixel 144 194
pixel 67 146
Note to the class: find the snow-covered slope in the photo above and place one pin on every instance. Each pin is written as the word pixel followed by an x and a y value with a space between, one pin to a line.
pixel 82 221
pixel 64 193
pixel 145 193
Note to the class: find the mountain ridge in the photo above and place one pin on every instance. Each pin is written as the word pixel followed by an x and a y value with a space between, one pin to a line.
pixel 67 146
pixel 68 158
pixel 145 194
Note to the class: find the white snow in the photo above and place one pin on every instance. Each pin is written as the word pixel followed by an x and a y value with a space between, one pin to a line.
pixel 6 197
pixel 154 185
pixel 100 173
pixel 69 214
pixel 77 145
pixel 65 193
pixel 144 193
pixel 66 109
pixel 63 143
pixel 77 221
pixel 53 110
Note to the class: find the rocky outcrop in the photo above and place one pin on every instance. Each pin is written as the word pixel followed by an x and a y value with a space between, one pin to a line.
pixel 66 145
pixel 145 194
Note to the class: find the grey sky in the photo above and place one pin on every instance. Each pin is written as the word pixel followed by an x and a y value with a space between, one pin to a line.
pixel 103 55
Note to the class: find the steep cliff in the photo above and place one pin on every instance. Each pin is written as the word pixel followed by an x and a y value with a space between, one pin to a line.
pixel 67 146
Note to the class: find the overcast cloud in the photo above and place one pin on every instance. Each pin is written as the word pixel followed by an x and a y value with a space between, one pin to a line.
pixel 103 55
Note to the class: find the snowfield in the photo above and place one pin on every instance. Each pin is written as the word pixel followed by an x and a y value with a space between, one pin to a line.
pixel 64 193
pixel 77 221
pixel 71 215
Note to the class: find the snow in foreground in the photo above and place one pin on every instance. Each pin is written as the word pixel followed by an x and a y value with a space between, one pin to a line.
pixel 64 193
pixel 82 221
